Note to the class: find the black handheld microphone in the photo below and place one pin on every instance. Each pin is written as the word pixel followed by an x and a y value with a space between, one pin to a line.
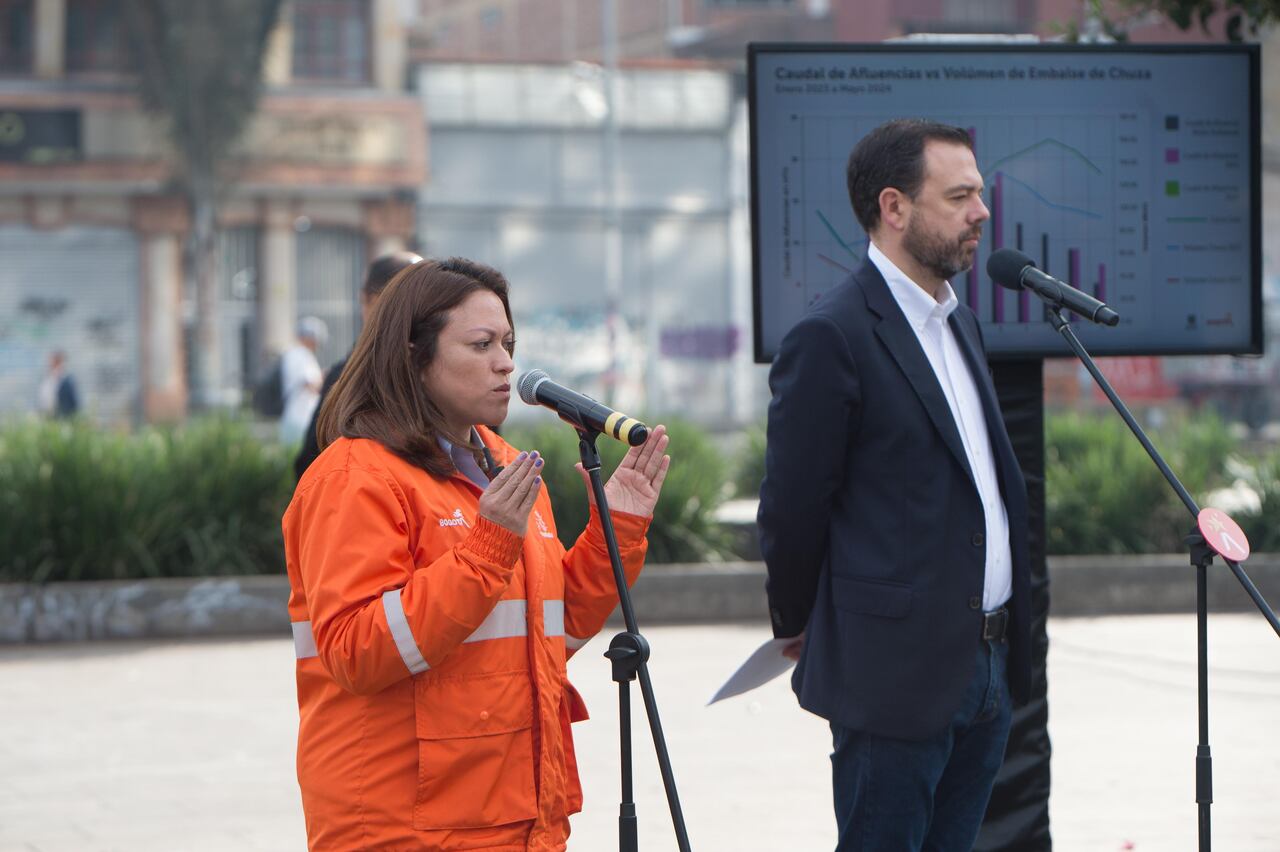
pixel 581 411
pixel 1015 270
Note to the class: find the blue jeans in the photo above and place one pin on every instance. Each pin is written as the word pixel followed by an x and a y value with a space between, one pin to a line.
pixel 930 795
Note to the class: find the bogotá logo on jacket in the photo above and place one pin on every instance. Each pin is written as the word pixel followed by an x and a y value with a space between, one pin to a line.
pixel 542 525
pixel 455 521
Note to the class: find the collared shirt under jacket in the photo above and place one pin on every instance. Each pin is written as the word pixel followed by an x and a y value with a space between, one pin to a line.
pixel 434 708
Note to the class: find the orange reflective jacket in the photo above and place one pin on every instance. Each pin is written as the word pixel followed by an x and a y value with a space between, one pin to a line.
pixel 433 704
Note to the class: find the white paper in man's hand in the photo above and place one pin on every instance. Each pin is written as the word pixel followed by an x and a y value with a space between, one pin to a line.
pixel 764 664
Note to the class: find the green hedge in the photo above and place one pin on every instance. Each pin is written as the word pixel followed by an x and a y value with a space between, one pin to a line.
pixel 77 503
pixel 1263 527
pixel 1104 495
pixel 683 529
pixel 748 467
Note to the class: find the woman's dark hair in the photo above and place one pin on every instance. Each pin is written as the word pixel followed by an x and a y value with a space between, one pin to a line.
pixel 380 394
pixel 892 155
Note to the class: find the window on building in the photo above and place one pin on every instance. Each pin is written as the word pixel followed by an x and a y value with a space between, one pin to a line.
pixel 989 15
pixel 749 4
pixel 16 36
pixel 96 36
pixel 972 16
pixel 331 41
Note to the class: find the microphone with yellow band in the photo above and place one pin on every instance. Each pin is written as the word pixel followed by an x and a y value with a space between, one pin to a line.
pixel 581 411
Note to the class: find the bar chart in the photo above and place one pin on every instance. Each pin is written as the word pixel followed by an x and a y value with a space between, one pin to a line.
pixel 1067 190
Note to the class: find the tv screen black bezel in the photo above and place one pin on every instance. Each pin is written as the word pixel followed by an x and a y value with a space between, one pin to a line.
pixel 1251 52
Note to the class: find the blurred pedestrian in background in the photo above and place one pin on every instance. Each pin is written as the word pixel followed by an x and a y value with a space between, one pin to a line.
pixel 380 273
pixel 58 394
pixel 301 379
pixel 433 605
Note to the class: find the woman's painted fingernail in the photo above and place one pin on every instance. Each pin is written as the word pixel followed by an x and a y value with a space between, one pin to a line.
pixel 538 463
pixel 537 480
pixel 521 456
pixel 533 455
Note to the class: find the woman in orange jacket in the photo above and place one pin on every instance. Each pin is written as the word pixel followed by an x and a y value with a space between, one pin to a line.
pixel 433 605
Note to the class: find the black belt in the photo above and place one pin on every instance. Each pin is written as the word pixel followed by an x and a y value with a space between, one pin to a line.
pixel 995 624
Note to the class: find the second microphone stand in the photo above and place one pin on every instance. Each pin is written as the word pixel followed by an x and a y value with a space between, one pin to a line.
pixel 629 653
pixel 1201 557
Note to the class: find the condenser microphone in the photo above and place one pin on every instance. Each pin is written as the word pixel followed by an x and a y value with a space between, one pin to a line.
pixel 579 410
pixel 1013 269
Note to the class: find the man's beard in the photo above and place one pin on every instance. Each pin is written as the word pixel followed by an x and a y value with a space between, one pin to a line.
pixel 935 253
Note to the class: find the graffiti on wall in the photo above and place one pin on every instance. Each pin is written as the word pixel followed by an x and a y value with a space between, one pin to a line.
pixel 98 348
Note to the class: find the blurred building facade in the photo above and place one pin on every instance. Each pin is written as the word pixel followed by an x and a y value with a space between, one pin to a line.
pixel 567 30
pixel 92 235
pixel 716 32
pixel 471 127
pixel 520 177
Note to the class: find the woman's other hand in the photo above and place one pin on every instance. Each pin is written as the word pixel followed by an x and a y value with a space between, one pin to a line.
pixel 636 484
pixel 510 496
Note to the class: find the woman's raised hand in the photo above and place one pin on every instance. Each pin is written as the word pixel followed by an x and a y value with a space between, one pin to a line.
pixel 636 484
pixel 510 496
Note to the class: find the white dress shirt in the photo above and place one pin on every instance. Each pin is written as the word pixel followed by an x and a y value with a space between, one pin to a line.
pixel 928 319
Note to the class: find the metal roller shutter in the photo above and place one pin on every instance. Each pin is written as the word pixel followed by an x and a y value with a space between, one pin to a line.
pixel 74 289
pixel 331 267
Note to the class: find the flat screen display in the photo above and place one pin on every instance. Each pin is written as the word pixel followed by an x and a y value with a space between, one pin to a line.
pixel 1132 173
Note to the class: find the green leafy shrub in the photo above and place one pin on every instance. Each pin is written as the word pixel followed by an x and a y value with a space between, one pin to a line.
pixel 683 529
pixel 749 463
pixel 77 503
pixel 206 498
pixel 1263 527
pixel 1104 495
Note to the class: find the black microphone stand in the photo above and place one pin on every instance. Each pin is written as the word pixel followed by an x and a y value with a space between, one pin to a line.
pixel 1201 556
pixel 629 653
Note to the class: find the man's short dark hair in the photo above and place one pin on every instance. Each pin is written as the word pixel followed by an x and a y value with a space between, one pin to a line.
pixel 892 155
pixel 384 268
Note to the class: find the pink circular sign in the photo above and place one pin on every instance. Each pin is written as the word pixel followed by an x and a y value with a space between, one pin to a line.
pixel 1223 534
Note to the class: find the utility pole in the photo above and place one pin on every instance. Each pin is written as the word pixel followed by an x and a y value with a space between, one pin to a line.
pixel 612 217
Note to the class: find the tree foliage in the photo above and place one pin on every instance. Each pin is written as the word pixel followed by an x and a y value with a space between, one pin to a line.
pixel 1242 18
pixel 200 69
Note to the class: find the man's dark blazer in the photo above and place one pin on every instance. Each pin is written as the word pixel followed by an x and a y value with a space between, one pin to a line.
pixel 870 522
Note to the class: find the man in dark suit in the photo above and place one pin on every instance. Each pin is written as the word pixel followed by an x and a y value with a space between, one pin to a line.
pixel 893 514
pixel 380 273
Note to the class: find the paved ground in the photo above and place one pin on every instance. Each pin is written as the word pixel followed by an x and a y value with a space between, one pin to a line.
pixel 157 747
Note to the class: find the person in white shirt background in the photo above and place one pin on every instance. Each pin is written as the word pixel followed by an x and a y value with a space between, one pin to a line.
pixel 301 378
